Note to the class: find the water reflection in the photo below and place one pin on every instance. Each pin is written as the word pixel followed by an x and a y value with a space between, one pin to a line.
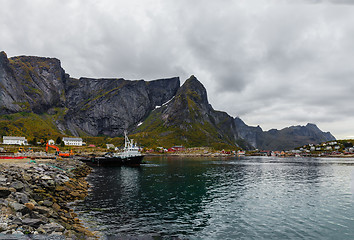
pixel 268 198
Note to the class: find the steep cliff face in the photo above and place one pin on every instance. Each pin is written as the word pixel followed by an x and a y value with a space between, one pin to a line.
pixel 251 134
pixel 37 96
pixel 110 106
pixel 190 120
pixel 32 84
pixel 8 92
pixel 79 106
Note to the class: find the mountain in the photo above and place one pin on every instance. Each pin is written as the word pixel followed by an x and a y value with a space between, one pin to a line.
pixel 188 119
pixel 85 106
pixel 110 106
pixel 32 84
pixel 284 139
pixel 39 99
pixel 251 134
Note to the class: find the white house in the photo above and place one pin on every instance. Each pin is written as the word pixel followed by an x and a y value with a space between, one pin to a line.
pixel 72 141
pixel 14 140
pixel 110 146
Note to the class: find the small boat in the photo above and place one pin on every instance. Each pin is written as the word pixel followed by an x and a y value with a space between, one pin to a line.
pixel 130 156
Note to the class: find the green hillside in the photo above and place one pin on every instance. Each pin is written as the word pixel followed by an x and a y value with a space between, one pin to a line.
pixel 30 125
pixel 187 120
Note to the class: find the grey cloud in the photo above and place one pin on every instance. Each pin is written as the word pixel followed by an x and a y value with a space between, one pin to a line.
pixel 271 64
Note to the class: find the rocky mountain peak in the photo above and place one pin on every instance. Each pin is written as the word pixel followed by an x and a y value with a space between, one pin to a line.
pixel 312 126
pixel 160 108
pixel 194 90
pixel 190 103
pixel 3 56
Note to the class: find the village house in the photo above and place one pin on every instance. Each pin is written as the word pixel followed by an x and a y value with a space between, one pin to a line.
pixel 72 141
pixel 176 149
pixel 329 148
pixel 14 140
pixel 110 146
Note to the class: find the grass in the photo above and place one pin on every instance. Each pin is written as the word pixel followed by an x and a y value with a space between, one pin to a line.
pixel 154 132
pixel 29 125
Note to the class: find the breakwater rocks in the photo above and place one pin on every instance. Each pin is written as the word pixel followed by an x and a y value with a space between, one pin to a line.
pixel 34 198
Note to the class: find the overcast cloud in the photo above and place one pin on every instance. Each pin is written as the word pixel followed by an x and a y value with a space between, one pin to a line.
pixel 272 63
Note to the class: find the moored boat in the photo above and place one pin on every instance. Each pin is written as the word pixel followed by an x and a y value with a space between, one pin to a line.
pixel 130 156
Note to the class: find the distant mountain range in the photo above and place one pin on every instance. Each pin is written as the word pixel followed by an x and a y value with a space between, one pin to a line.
pixel 38 99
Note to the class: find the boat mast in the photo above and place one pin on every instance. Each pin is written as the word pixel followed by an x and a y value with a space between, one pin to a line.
pixel 127 142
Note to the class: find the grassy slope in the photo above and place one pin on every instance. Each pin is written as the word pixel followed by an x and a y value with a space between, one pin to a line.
pixel 154 133
pixel 31 125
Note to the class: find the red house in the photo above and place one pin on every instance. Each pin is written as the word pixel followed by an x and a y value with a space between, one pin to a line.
pixel 176 149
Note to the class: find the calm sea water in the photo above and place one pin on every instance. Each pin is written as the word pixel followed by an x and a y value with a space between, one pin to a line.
pixel 209 198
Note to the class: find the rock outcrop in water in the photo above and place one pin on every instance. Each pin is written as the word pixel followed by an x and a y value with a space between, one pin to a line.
pixel 106 107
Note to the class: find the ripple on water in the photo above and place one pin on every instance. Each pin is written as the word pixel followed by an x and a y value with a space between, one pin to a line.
pixel 251 198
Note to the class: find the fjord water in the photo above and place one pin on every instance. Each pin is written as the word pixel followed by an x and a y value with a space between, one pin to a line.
pixel 233 198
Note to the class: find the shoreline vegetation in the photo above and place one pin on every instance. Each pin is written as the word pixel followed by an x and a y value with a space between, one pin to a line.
pixel 35 197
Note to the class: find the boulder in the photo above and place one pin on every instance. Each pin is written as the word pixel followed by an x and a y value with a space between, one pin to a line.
pixel 3 179
pixel 75 194
pixel 27 177
pixel 3 227
pixel 32 222
pixel 4 192
pixel 52 227
pixel 56 207
pixel 47 203
pixel 29 205
pixel 17 185
pixel 18 207
pixel 43 210
pixel 17 221
pixel 46 177
pixel 21 197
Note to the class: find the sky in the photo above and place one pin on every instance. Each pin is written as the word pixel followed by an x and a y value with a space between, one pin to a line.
pixel 271 63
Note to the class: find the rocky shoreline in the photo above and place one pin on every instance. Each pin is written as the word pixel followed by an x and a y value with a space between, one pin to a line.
pixel 34 198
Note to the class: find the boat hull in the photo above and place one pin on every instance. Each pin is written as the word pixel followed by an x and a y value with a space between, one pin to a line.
pixel 114 161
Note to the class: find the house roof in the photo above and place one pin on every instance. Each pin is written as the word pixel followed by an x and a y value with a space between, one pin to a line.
pixel 13 138
pixel 71 139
